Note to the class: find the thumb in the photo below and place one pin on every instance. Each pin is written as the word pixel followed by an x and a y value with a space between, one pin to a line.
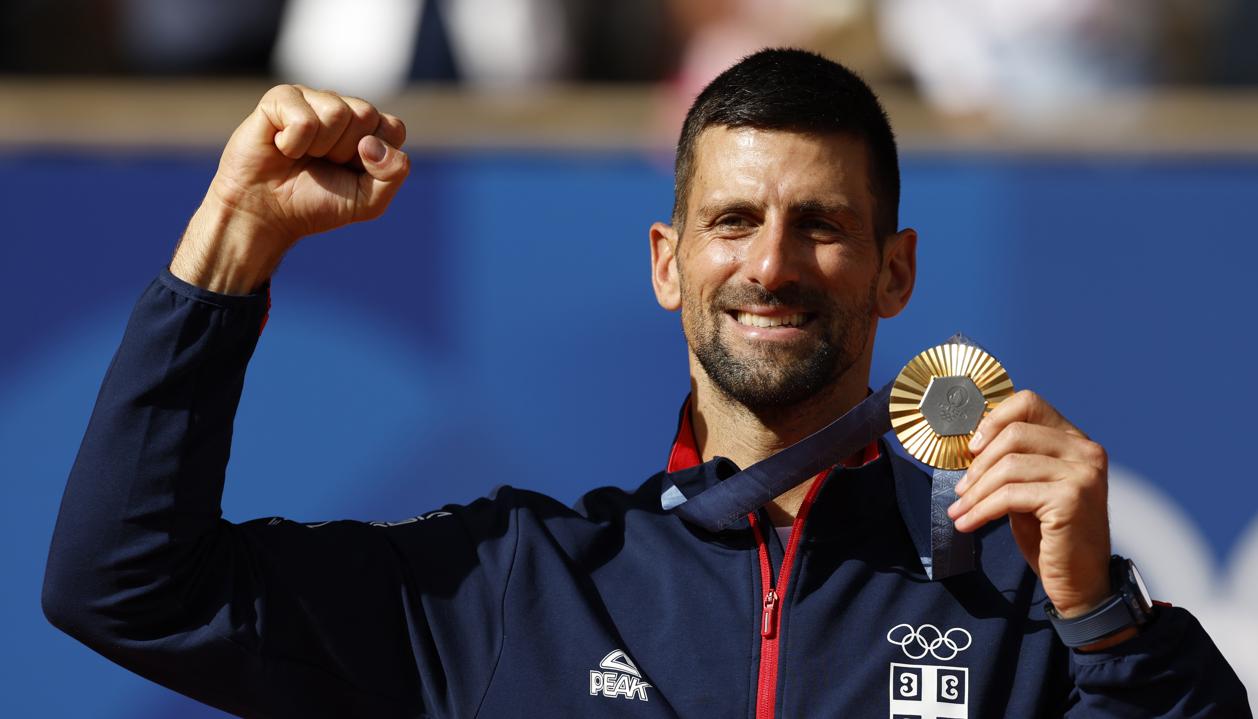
pixel 386 167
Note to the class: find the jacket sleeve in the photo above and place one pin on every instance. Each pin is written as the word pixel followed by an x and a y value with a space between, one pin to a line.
pixel 1171 669
pixel 269 617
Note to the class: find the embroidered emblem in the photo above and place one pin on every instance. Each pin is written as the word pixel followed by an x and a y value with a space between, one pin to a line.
pixel 619 678
pixel 927 639
pixel 929 692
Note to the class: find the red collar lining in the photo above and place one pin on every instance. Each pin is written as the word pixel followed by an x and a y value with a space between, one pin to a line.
pixel 685 451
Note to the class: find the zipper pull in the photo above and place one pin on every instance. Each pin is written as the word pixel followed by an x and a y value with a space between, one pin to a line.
pixel 770 608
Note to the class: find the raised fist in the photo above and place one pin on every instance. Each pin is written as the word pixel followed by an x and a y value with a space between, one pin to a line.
pixel 303 162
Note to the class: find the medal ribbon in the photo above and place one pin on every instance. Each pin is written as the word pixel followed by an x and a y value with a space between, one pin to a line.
pixel 723 504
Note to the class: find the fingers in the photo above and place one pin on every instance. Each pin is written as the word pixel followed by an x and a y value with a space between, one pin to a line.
pixel 364 119
pixel 1023 406
pixel 288 121
pixel 392 130
pixel 386 167
pixel 334 115
pixel 302 122
pixel 1015 497
pixel 1031 460
pixel 1029 483
pixel 367 121
pixel 1032 439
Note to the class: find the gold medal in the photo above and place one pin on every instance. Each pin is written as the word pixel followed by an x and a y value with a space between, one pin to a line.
pixel 939 398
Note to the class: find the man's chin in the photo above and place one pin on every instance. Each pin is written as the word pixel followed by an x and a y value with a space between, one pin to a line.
pixel 764 396
pixel 771 385
pixel 777 359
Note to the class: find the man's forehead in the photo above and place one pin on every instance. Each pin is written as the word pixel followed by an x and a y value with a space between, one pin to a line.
pixel 735 162
pixel 745 138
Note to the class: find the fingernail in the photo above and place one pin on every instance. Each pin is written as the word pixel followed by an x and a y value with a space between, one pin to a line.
pixel 373 149
pixel 954 509
pixel 976 441
pixel 961 486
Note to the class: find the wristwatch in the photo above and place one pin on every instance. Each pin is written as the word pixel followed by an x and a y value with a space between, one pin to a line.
pixel 1129 606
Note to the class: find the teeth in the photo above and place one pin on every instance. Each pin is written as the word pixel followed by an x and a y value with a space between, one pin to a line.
pixel 747 318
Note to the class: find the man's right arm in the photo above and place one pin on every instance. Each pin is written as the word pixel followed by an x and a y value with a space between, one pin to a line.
pixel 271 617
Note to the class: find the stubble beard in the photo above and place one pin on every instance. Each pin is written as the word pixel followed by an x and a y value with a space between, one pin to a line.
pixel 773 377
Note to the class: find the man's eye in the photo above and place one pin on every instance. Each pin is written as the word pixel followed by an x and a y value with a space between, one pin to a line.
pixel 732 221
pixel 821 230
pixel 817 224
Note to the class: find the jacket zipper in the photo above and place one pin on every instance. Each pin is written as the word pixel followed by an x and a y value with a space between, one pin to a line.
pixel 771 615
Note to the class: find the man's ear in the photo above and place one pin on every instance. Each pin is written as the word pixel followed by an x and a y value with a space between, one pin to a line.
pixel 899 273
pixel 664 276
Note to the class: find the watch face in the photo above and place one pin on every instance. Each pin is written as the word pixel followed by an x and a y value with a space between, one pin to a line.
pixel 1139 582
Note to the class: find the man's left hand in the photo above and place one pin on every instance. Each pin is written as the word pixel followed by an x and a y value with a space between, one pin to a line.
pixel 1051 480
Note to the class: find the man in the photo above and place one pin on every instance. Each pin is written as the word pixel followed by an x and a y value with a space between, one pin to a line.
pixel 782 256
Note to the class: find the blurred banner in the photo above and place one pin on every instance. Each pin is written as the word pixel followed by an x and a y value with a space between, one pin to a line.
pixel 498 326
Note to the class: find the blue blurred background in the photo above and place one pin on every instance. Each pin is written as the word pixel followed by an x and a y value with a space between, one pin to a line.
pixel 498 322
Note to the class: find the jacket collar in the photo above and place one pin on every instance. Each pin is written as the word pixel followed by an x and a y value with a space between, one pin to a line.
pixel 684 454
pixel 687 475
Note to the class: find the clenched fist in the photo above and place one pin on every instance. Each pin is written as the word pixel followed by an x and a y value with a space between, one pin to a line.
pixel 303 162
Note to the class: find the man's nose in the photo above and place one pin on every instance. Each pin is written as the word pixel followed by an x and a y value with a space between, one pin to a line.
pixel 772 257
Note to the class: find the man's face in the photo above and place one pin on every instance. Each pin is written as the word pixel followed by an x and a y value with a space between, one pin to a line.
pixel 778 263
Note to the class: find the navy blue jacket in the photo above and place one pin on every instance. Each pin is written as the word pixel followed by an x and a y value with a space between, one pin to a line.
pixel 516 605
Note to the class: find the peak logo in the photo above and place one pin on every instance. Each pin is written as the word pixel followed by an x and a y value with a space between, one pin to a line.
pixel 618 676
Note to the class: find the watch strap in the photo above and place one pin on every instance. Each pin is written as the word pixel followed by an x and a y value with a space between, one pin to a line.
pixel 1112 616
pixel 1124 608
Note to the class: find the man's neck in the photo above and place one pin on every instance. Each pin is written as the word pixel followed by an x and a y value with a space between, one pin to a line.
pixel 724 428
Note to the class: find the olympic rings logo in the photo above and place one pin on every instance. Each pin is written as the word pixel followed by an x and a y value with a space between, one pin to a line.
pixel 927 639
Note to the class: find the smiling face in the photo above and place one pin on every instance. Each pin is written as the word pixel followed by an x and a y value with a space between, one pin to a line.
pixel 778 272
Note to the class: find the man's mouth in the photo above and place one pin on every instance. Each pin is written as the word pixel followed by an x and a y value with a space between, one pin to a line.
pixel 751 319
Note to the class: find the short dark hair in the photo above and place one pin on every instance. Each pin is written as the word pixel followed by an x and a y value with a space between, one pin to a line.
pixel 795 91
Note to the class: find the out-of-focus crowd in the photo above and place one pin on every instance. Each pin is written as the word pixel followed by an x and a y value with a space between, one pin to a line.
pixel 965 56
